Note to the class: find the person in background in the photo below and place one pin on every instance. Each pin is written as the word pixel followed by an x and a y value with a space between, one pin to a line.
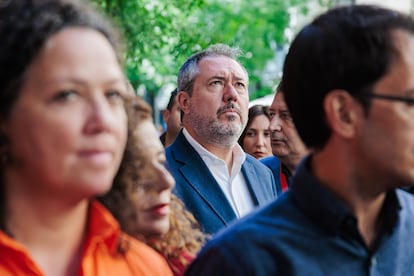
pixel 348 80
pixel 255 138
pixel 62 136
pixel 150 211
pixel 215 179
pixel 172 118
pixel 287 146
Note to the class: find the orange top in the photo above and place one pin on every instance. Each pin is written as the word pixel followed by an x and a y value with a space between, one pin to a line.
pixel 100 256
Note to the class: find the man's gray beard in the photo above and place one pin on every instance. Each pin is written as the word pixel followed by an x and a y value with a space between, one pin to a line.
pixel 224 134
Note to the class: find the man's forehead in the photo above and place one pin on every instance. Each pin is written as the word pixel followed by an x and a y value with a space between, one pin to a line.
pixel 278 102
pixel 222 66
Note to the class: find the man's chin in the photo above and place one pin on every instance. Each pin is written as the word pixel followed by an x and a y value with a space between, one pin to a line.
pixel 232 128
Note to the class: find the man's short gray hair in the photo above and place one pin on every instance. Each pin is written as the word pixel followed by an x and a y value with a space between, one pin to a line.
pixel 189 70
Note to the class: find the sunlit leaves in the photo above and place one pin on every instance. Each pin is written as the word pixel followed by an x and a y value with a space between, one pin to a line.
pixel 161 34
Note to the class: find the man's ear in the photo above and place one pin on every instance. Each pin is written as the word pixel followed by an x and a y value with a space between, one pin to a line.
pixel 183 99
pixel 165 114
pixel 342 113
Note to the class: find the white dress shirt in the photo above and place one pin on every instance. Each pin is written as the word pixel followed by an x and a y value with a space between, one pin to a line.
pixel 234 186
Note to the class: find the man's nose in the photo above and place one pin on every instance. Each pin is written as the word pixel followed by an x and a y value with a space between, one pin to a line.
pixel 275 124
pixel 230 93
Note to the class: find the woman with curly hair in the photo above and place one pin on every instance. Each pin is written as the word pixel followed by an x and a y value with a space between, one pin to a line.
pixel 152 213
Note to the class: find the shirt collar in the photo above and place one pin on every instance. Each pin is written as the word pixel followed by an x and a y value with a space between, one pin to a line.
pixel 325 209
pixel 239 156
pixel 103 227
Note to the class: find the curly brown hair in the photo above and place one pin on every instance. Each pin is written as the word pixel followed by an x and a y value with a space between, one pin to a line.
pixel 184 234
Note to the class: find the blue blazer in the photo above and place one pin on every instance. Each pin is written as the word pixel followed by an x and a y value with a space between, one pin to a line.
pixel 201 193
pixel 273 163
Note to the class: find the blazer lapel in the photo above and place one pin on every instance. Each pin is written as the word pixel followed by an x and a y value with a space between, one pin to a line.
pixel 253 183
pixel 198 176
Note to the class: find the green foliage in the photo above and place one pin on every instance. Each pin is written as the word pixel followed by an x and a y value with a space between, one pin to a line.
pixel 161 34
pixel 151 30
pixel 261 92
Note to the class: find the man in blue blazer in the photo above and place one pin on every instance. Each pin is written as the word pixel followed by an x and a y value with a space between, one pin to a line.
pixel 217 181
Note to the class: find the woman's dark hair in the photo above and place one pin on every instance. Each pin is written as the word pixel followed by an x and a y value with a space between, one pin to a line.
pixel 254 111
pixel 26 25
pixel 172 100
pixel 348 48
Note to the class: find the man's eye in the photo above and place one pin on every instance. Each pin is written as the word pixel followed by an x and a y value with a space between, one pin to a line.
pixel 286 116
pixel 240 84
pixel 114 94
pixel 216 82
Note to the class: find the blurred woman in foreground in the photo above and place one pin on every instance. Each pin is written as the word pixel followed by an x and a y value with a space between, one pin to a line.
pixel 63 132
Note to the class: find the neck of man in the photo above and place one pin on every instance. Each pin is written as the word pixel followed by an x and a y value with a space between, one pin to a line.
pixel 169 139
pixel 291 161
pixel 335 168
pixel 224 153
pixel 221 147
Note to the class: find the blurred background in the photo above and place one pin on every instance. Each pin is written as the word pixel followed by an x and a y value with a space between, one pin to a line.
pixel 161 34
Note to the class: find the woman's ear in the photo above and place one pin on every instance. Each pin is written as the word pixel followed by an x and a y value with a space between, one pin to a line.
pixel 342 113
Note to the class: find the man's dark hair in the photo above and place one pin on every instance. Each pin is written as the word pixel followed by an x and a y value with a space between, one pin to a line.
pixel 348 48
pixel 172 99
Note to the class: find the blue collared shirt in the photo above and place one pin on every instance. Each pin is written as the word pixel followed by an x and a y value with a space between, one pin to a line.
pixel 309 231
